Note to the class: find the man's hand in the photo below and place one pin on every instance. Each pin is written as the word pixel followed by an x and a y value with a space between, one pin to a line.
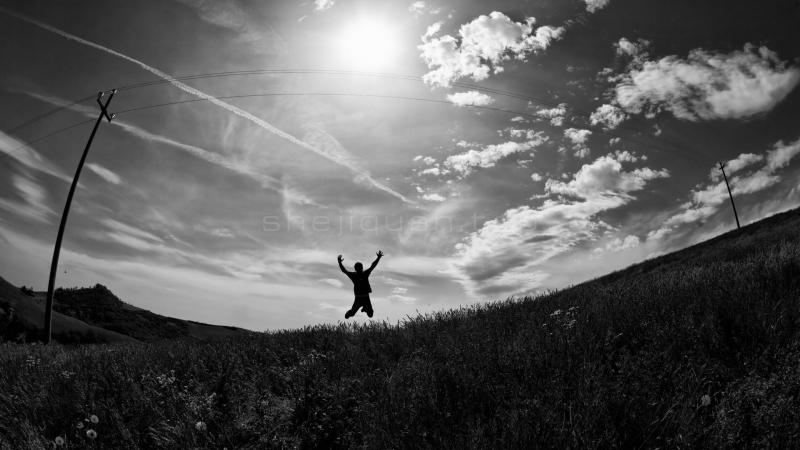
pixel 380 254
pixel 339 258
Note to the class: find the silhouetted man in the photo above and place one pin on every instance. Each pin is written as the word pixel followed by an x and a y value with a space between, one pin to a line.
pixel 361 287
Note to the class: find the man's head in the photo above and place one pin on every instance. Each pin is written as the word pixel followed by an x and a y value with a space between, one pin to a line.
pixel 359 267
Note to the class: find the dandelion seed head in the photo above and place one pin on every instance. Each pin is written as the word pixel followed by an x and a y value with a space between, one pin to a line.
pixel 91 434
pixel 59 440
pixel 93 419
pixel 201 426
pixel 80 425
pixel 706 400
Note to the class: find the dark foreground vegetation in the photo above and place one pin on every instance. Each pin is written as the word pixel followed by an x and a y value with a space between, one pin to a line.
pixel 695 349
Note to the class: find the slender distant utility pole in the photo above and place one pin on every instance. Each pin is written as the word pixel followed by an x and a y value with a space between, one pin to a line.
pixel 722 168
pixel 48 312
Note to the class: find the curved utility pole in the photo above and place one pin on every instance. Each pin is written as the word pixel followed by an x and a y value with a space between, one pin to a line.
pixel 48 311
pixel 722 168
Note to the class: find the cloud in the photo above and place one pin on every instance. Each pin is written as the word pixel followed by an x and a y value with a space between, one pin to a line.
pixel 104 173
pixel 490 154
pixel 230 14
pixel 471 98
pixel 362 176
pixel 507 254
pixel 31 158
pixel 399 290
pixel 333 282
pixel 706 199
pixel 608 115
pixel 618 245
pixel 433 29
pixel 420 8
pixel 323 5
pixel 626 47
pixel 434 197
pixel 536 177
pixel 265 181
pixel 602 178
pixel 596 5
pixel 485 43
pixel 707 85
pixel 577 136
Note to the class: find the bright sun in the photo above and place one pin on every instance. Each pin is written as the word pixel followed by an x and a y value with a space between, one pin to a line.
pixel 367 45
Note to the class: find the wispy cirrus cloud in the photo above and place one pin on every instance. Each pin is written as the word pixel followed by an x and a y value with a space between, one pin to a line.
pixel 104 173
pixel 362 176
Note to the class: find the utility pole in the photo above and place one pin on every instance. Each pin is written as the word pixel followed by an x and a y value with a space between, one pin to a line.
pixel 722 168
pixel 48 312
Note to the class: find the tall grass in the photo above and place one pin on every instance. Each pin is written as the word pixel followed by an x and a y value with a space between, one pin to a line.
pixel 696 349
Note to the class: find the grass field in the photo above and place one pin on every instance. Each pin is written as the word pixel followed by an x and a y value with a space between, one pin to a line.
pixel 695 349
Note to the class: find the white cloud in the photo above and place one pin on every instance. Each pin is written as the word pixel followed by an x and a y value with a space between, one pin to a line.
pixel 434 197
pixel 624 156
pixel 429 160
pixel 707 85
pixel 626 47
pixel 506 255
pixel 471 98
pixel 322 5
pixel 433 29
pixel 431 171
pixel 485 43
pixel 399 290
pixel 581 151
pixel 608 115
pixel 104 173
pixel 418 157
pixel 596 5
pixel 613 141
pixel 519 119
pixel 420 8
pixel 222 232
pixel 706 199
pixel 536 177
pixel 617 245
pixel 577 136
pixel 604 177
pixel 487 157
pixel 332 281
pixel 658 234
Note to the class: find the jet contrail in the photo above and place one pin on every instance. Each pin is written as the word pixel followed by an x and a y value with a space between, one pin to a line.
pixel 362 174
pixel 267 182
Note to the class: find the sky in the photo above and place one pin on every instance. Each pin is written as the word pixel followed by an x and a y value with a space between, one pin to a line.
pixel 489 149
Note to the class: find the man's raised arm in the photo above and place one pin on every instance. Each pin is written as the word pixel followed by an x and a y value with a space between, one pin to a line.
pixel 375 263
pixel 340 259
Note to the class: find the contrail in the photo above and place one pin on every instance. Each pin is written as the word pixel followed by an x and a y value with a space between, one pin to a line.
pixel 266 181
pixel 362 174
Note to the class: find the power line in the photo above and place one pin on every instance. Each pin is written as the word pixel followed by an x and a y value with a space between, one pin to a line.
pixel 378 75
pixel 367 96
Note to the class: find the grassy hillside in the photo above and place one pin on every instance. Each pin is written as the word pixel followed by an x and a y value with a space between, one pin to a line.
pixel 696 349
pixel 91 315
pixel 22 320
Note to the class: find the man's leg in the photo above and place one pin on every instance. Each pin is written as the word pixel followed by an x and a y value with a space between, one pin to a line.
pixel 368 307
pixel 353 310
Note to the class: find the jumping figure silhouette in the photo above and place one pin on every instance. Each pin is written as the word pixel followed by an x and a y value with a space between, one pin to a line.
pixel 361 287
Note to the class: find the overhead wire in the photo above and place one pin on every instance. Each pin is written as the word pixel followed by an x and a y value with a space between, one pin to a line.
pixel 359 95
pixel 379 75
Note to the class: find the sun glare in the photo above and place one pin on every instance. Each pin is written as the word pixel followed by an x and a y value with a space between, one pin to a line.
pixel 367 45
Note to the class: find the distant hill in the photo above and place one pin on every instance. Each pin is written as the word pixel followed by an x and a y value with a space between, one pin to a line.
pixel 95 314
pixel 22 320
